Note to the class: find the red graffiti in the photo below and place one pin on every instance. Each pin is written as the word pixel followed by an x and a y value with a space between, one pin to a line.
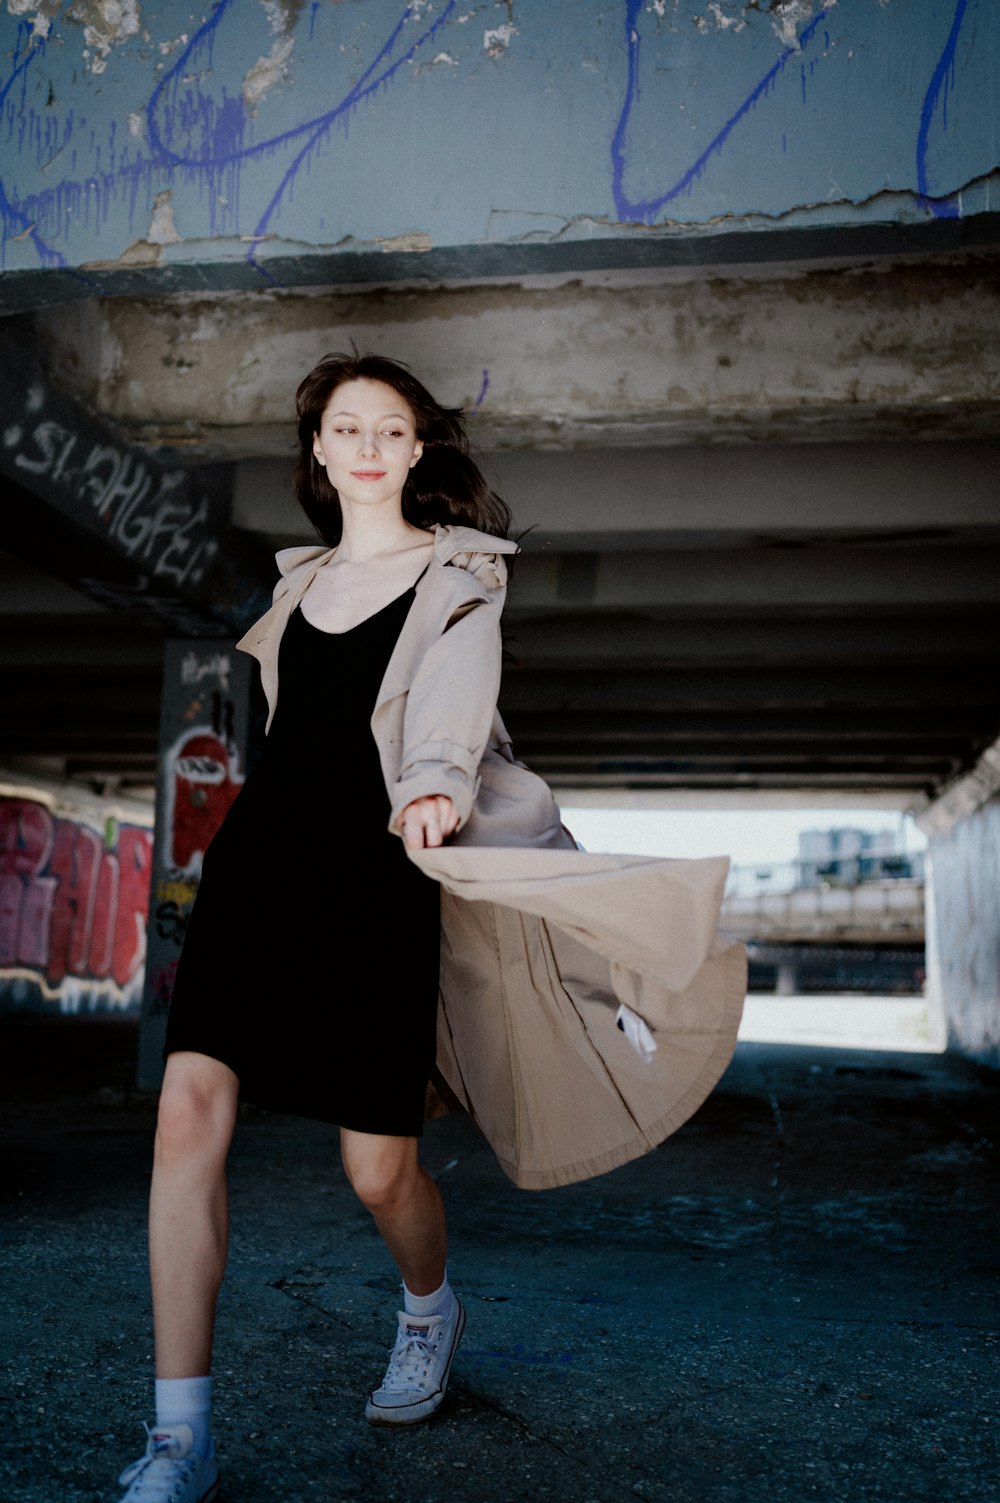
pixel 206 780
pixel 68 905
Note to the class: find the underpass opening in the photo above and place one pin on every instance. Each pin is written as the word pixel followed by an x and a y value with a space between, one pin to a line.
pixel 827 892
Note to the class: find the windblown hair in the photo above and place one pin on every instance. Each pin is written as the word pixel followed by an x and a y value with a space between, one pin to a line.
pixel 445 485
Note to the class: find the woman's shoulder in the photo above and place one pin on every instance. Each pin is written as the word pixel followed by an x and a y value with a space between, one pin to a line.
pixel 478 554
pixel 291 561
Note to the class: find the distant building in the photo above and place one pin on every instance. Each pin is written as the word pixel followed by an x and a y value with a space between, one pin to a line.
pixel 845 857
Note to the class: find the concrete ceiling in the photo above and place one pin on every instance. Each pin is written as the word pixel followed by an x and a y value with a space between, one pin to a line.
pixel 761 511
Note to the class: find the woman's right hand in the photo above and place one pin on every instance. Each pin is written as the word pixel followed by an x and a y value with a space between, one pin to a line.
pixel 428 822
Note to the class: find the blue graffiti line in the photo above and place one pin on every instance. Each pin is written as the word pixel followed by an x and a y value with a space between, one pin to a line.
pixel 943 75
pixel 644 210
pixel 380 72
pixel 314 130
pixel 482 392
pixel 9 212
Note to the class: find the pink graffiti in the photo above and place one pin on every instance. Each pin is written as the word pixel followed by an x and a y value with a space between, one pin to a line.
pixel 68 905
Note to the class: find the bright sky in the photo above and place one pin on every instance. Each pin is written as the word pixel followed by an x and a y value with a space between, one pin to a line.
pixel 748 836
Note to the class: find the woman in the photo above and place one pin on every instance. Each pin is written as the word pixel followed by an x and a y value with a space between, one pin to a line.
pixel 384 744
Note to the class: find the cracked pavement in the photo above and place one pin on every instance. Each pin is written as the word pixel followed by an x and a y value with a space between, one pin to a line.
pixel 794 1298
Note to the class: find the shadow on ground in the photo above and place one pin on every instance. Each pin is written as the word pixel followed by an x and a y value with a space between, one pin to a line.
pixel 794 1298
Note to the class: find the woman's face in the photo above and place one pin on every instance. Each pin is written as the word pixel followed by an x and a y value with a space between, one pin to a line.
pixel 367 442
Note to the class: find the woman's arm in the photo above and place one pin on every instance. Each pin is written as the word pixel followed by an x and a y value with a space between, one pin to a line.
pixel 446 725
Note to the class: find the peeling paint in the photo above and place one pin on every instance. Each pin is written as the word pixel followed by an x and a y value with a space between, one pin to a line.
pixel 497 40
pixel 789 16
pixel 162 230
pixel 417 240
pixel 724 22
pixel 166 48
pixel 42 13
pixel 266 72
pixel 282 15
pixel 106 23
pixel 140 253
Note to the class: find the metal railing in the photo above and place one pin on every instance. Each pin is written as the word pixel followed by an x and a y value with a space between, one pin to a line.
pixel 871 911
pixel 842 872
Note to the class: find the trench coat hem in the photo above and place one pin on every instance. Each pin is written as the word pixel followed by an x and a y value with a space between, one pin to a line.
pixel 713 1068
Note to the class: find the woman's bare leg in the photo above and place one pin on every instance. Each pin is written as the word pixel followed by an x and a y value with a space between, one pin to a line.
pixel 188 1210
pixel 387 1177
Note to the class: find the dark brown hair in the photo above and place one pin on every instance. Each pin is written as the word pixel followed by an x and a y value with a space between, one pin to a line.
pixel 445 485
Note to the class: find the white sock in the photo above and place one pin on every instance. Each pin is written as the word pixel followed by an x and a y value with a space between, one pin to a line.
pixel 186 1401
pixel 441 1302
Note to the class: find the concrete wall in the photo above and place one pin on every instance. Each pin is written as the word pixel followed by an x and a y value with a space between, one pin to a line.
pixel 963 932
pixel 264 139
pixel 205 741
pixel 74 893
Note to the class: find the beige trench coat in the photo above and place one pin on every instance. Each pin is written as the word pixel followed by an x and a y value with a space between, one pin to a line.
pixel 541 943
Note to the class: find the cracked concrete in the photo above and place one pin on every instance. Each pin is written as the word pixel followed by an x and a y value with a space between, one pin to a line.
pixel 794 1298
pixel 571 363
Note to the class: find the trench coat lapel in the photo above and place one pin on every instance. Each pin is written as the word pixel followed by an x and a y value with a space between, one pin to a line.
pixel 440 592
pixel 263 640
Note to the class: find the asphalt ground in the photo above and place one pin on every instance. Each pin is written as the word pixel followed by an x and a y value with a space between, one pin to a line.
pixel 794 1298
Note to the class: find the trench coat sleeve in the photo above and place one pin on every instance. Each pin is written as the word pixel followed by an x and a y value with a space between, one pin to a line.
pixel 449 712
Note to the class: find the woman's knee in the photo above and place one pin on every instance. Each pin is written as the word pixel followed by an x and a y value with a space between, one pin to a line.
pixel 197 1109
pixel 382 1171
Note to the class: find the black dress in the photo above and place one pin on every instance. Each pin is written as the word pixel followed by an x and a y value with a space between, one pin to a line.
pixel 310 963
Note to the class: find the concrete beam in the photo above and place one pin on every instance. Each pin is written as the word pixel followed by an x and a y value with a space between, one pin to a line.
pixel 941 730
pixel 844 688
pixel 605 363
pixel 765 581
pixel 663 641
pixel 732 495
pixel 122 527
pixel 900 787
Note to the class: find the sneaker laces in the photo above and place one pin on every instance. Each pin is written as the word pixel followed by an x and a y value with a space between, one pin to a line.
pixel 411 1357
pixel 161 1470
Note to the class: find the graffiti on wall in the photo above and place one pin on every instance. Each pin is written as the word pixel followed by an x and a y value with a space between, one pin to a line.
pixel 148 512
pixel 203 777
pixel 199 124
pixel 805 50
pixel 203 744
pixel 73 905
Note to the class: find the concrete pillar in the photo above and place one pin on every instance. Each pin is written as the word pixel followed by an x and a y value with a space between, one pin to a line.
pixel 963 932
pixel 207 731
pixel 786 983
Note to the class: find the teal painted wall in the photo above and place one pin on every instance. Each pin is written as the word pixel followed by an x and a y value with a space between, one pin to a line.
pixel 262 134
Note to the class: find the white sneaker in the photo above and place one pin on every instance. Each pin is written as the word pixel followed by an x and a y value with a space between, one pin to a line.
pixel 419 1367
pixel 171 1470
